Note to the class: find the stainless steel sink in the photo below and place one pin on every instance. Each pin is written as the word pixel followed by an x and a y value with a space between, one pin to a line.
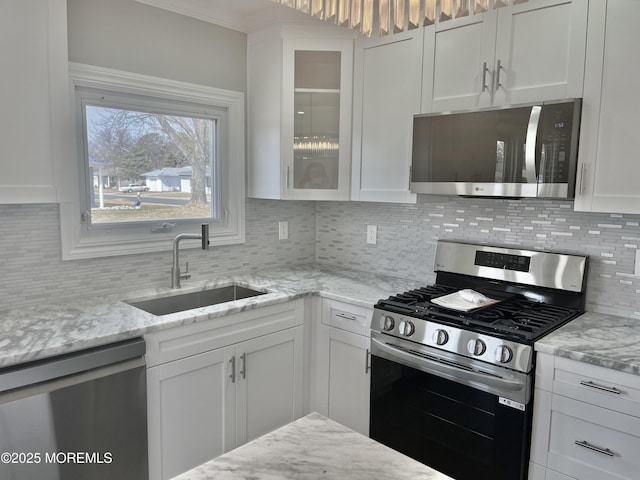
pixel 188 301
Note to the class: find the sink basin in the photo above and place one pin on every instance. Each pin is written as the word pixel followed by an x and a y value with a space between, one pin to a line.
pixel 187 301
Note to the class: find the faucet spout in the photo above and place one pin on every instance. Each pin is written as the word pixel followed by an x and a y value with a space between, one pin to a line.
pixel 176 276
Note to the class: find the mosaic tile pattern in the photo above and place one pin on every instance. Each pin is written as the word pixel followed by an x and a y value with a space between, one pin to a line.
pixel 32 269
pixel 407 237
pixel 334 234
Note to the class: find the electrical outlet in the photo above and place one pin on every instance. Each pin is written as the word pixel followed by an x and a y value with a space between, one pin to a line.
pixel 637 267
pixel 283 230
pixel 372 234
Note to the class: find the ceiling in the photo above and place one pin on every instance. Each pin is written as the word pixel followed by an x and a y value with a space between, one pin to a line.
pixel 242 15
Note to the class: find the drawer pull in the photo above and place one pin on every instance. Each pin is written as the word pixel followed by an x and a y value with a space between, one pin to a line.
pixel 604 451
pixel 590 384
pixel 346 317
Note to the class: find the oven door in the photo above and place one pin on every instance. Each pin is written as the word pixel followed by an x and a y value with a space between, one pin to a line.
pixel 457 415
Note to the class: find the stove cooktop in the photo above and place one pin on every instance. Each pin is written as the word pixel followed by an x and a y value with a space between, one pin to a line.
pixel 515 317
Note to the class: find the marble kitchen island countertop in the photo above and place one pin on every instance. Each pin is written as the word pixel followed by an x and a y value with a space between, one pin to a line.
pixel 313 448
pixel 52 328
pixel 599 339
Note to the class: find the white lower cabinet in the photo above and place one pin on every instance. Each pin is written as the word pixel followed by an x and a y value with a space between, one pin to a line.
pixel 191 412
pixel 247 382
pixel 586 422
pixel 268 383
pixel 343 364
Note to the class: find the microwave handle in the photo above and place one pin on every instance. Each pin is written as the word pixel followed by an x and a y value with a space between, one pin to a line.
pixel 530 145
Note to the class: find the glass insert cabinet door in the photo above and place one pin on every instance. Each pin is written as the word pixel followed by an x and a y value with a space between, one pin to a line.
pixel 316 125
pixel 319 138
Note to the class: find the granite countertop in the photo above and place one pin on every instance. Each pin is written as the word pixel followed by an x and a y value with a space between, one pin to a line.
pixel 313 447
pixel 41 331
pixel 604 340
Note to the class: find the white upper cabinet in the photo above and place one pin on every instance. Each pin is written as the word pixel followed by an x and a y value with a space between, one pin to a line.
pixel 34 98
pixel 300 99
pixel 608 166
pixel 458 63
pixel 387 76
pixel 522 53
pixel 540 49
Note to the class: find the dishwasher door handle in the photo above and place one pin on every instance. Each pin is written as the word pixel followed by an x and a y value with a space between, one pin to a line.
pixel 48 369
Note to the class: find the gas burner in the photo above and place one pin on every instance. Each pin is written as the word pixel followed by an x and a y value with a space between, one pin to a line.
pixel 515 318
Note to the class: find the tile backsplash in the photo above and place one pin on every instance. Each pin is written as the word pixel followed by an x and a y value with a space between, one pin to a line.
pixel 31 269
pixel 333 234
pixel 407 237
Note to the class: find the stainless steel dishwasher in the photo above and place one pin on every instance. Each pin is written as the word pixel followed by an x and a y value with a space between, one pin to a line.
pixel 81 416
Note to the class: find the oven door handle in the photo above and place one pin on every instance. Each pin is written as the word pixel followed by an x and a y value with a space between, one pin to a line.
pixel 446 370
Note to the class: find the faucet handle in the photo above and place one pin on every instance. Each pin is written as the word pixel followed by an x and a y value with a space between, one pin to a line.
pixel 205 236
pixel 186 275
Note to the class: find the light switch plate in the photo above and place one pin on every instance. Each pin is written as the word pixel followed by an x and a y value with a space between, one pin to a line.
pixel 372 234
pixel 283 230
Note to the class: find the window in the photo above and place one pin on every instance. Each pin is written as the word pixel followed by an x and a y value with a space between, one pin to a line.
pixel 155 158
pixel 148 166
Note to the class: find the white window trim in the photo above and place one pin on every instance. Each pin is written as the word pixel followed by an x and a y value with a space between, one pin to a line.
pixel 76 244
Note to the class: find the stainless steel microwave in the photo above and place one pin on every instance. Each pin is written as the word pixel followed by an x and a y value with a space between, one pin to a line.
pixel 517 151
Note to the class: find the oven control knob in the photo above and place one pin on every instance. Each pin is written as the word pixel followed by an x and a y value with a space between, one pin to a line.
pixel 476 347
pixel 503 354
pixel 406 328
pixel 440 337
pixel 387 323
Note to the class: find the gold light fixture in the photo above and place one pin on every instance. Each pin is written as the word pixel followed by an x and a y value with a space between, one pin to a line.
pixel 392 16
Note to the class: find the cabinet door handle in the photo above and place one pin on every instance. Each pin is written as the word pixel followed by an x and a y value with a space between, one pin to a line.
pixel 590 384
pixel 498 68
pixel 287 177
pixel 484 77
pixel 585 444
pixel 367 365
pixel 232 364
pixel 243 370
pixel 346 317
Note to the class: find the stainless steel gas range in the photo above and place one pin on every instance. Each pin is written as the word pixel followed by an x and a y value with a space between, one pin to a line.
pixel 453 362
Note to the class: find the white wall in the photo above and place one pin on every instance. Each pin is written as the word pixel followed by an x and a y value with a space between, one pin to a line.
pixel 133 37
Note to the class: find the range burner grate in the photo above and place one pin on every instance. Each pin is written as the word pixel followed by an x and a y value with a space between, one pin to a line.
pixel 516 317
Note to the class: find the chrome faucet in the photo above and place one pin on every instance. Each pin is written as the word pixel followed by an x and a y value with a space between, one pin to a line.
pixel 176 276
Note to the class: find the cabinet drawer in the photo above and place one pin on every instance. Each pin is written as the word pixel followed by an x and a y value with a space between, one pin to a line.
pixel 551 475
pixel 347 317
pixel 604 387
pixel 585 435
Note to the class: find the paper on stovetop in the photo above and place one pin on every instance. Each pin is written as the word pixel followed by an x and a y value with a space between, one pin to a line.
pixel 464 300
